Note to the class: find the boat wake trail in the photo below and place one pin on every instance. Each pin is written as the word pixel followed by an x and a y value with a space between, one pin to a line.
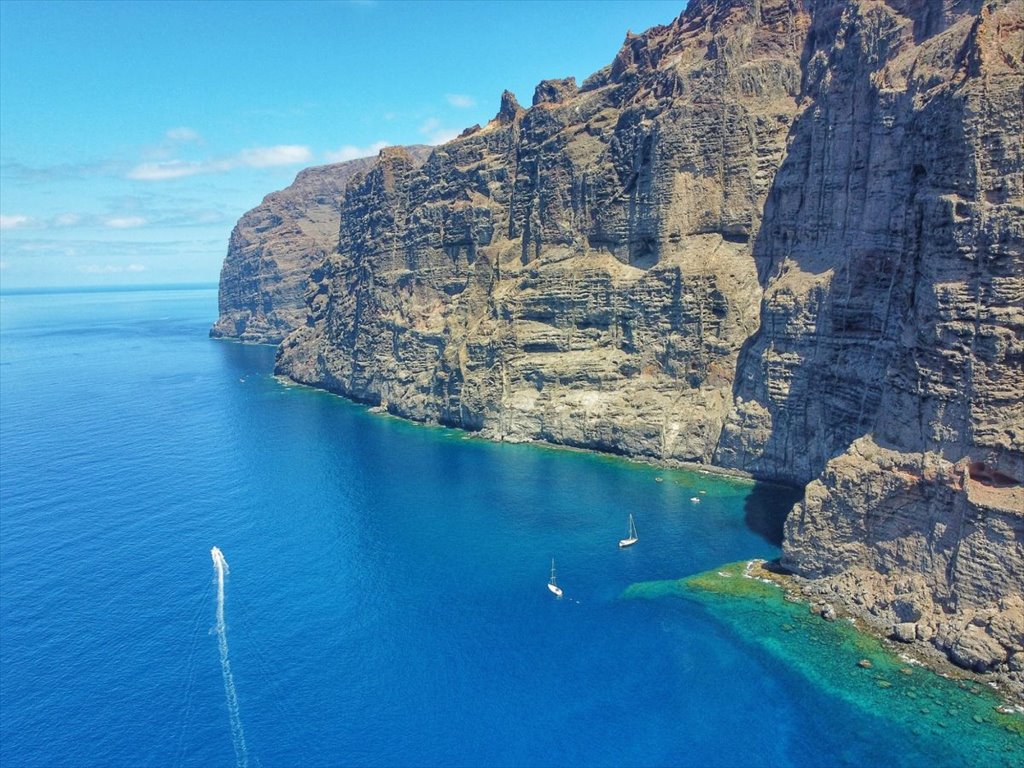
pixel 220 565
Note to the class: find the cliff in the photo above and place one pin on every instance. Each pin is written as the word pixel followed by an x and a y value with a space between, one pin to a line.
pixel 925 549
pixel 779 236
pixel 889 361
pixel 275 246
pixel 580 271
pixel 891 251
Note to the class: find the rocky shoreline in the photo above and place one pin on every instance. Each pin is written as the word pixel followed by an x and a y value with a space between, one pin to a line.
pixel 967 719
pixel 831 605
pixel 781 237
pixel 515 439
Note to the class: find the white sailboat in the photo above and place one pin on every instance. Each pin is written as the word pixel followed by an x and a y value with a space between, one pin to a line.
pixel 631 537
pixel 552 582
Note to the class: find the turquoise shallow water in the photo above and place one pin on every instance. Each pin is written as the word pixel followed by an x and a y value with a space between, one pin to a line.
pixel 386 600
pixel 951 721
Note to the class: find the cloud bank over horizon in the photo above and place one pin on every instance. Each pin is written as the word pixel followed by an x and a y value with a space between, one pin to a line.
pixel 254 157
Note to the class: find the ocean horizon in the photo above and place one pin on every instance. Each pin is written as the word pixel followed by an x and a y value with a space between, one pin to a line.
pixel 378 594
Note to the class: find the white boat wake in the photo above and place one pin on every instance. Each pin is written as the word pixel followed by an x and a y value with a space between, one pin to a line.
pixel 220 565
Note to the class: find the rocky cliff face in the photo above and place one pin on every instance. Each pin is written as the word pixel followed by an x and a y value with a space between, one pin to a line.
pixel 891 252
pixel 579 271
pixel 892 257
pixel 785 237
pixel 924 549
pixel 275 246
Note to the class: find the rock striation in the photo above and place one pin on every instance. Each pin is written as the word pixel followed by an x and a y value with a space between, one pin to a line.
pixel 275 246
pixel 781 236
pixel 926 549
pixel 889 362
pixel 891 250
pixel 580 271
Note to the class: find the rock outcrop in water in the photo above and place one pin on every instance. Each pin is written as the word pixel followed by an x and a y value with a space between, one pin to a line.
pixel 784 237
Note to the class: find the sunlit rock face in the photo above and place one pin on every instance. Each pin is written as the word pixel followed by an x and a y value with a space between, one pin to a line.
pixel 275 246
pixel 782 237
pixel 580 271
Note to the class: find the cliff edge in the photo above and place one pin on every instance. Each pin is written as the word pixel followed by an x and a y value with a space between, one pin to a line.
pixel 275 246
pixel 780 236
pixel 580 271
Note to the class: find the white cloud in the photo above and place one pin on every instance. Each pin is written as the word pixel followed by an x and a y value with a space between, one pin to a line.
pixel 460 100
pixel 26 174
pixel 429 125
pixel 207 216
pixel 266 157
pixel 110 269
pixel 435 132
pixel 170 169
pixel 443 136
pixel 66 220
pixel 254 157
pixel 13 222
pixel 183 134
pixel 351 152
pixel 125 222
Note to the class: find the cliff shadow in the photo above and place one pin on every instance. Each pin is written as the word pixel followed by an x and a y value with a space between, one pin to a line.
pixel 246 359
pixel 766 508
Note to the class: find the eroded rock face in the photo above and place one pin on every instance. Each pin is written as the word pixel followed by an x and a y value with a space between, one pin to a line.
pixel 892 256
pixel 916 543
pixel 579 272
pixel 275 246
pixel 891 252
pixel 785 237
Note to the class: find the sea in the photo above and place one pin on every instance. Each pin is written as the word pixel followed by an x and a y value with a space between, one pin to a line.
pixel 379 594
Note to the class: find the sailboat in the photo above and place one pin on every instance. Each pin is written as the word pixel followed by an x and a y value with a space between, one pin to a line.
pixel 552 583
pixel 631 537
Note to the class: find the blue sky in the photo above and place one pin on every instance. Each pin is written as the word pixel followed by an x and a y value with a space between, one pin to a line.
pixel 134 134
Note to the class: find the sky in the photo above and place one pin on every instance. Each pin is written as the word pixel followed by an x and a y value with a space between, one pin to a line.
pixel 134 134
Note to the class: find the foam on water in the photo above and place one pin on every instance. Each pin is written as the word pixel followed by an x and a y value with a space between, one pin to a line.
pixel 220 565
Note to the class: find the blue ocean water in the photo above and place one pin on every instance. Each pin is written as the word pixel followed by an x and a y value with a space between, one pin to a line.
pixel 385 602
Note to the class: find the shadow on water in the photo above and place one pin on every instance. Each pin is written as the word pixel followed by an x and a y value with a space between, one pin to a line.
pixel 766 508
pixel 247 358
